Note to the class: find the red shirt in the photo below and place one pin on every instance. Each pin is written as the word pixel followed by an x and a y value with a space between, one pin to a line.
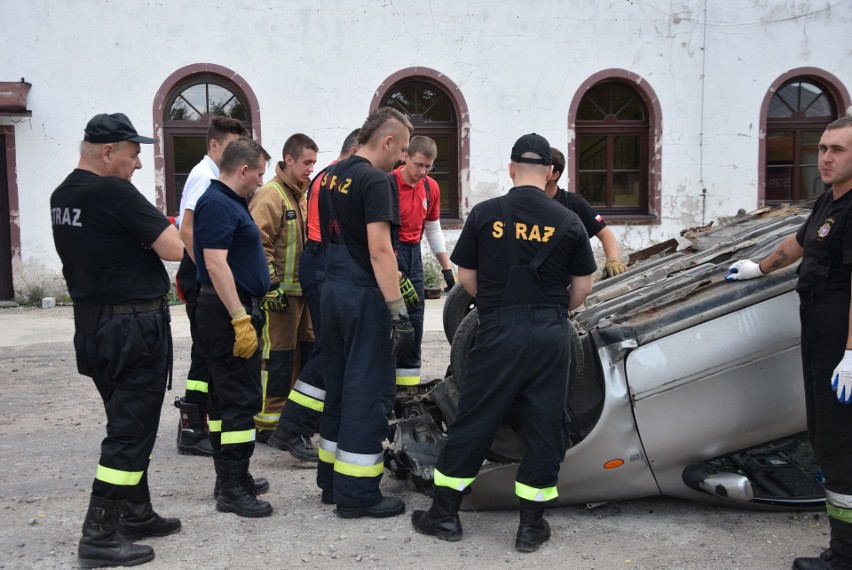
pixel 313 206
pixel 412 206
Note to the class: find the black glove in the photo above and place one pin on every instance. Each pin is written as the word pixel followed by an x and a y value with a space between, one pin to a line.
pixel 402 334
pixel 409 294
pixel 449 279
pixel 276 300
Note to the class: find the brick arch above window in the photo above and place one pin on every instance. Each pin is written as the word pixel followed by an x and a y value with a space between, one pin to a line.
pixel 163 97
pixel 650 152
pixel 459 171
pixel 804 138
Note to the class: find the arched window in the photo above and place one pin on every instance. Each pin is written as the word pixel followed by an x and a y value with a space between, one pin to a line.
pixel 612 146
pixel 182 108
pixel 435 113
pixel 797 116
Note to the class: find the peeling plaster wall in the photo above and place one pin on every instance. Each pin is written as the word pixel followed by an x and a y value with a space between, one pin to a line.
pixel 315 65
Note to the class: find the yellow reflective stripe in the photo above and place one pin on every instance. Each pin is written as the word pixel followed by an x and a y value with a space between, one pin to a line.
pixel 267 417
pixel 534 494
pixel 196 385
pixel 407 376
pixel 288 280
pixel 839 513
pixel 457 483
pixel 243 436
pixel 306 401
pixel 215 425
pixel 118 477
pixel 327 450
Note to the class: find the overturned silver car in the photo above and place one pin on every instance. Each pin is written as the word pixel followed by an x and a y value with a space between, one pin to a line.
pixel 682 383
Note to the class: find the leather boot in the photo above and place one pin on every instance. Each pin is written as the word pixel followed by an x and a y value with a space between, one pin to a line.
pixel 237 494
pixel 296 444
pixel 261 485
pixel 533 530
pixel 101 544
pixel 192 438
pixel 442 518
pixel 828 560
pixel 140 521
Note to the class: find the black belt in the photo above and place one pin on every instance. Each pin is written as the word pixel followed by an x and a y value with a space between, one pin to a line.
pixel 129 308
pixel 244 299
pixel 313 246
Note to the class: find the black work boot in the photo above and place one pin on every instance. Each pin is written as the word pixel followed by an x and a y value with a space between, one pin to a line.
pixel 442 518
pixel 386 507
pixel 101 544
pixel 828 560
pixel 192 438
pixel 296 444
pixel 261 485
pixel 237 494
pixel 533 530
pixel 140 521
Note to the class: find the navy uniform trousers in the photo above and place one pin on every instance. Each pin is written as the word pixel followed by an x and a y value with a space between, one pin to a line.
pixel 306 401
pixel 408 363
pixel 359 377
pixel 197 377
pixel 126 350
pixel 825 323
pixel 235 390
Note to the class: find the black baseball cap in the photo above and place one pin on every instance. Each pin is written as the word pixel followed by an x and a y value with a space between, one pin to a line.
pixel 532 143
pixel 113 128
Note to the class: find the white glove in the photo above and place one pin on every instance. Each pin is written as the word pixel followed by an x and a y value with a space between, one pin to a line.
pixel 841 379
pixel 743 269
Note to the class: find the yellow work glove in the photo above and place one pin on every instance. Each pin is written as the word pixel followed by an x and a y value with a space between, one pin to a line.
pixel 613 267
pixel 409 294
pixel 245 337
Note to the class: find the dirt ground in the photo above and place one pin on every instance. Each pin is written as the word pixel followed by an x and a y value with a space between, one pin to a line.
pixel 51 424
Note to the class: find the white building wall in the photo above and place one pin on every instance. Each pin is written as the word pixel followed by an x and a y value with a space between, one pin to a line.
pixel 315 66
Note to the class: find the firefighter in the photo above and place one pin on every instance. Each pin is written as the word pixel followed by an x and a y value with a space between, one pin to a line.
pixel 299 419
pixel 192 437
pixel 234 279
pixel 279 209
pixel 364 320
pixel 527 261
pixel 420 215
pixel 110 240
pixel 824 244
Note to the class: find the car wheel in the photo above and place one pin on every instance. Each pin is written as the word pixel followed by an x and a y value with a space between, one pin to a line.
pixel 457 306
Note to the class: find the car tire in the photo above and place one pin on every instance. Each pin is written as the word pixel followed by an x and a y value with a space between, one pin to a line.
pixel 458 304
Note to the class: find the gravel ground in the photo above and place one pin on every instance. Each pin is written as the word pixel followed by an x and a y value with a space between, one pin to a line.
pixel 51 424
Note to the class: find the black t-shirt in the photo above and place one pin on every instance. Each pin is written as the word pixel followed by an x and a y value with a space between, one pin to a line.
pixel 362 194
pixel 827 238
pixel 103 229
pixel 482 245
pixel 592 221
pixel 222 221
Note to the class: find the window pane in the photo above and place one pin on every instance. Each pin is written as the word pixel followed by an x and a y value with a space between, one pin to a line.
pixel 611 99
pixel 441 171
pixel 809 150
pixel 589 109
pixel 219 99
pixel 779 147
pixel 626 189
pixel 626 152
pixel 196 96
pixel 181 111
pixel 591 152
pixel 592 186
pixel 235 109
pixel 779 183
pixel 402 99
pixel 188 150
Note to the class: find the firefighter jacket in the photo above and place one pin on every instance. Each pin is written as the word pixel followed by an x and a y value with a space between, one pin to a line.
pixel 279 209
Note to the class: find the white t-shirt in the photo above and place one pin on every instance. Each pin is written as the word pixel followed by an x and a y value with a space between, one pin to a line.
pixel 196 184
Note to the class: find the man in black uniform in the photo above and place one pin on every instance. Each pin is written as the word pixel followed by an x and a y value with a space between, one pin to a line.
pixel 527 261
pixel 233 279
pixel 592 221
pixel 110 240
pixel 364 320
pixel 824 244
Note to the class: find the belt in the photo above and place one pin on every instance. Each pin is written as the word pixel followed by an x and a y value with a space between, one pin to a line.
pixel 313 246
pixel 128 308
pixel 244 299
